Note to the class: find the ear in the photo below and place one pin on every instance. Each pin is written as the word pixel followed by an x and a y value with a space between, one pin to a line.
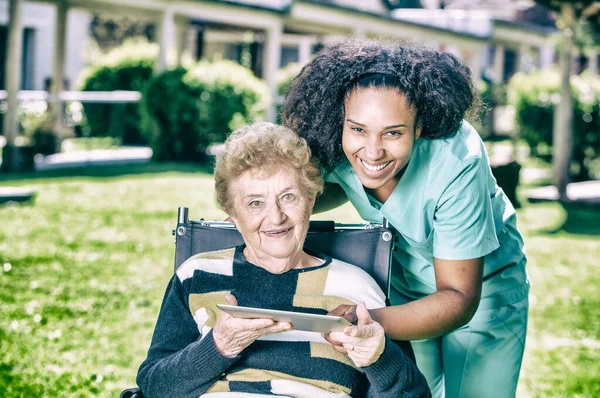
pixel 313 200
pixel 418 132
pixel 231 217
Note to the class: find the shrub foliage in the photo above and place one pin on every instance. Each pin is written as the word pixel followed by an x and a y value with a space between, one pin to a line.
pixel 128 67
pixel 534 97
pixel 187 110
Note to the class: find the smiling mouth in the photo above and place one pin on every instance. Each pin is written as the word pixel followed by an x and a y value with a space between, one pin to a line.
pixel 277 232
pixel 378 167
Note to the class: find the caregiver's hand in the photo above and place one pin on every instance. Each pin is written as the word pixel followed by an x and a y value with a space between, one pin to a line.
pixel 364 342
pixel 347 312
pixel 231 335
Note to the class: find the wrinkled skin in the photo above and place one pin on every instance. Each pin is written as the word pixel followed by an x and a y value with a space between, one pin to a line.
pixel 232 335
pixel 365 342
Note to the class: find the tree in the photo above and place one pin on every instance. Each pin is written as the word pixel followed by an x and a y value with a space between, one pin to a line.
pixel 570 12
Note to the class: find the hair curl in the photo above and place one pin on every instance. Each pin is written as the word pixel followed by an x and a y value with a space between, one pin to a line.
pixel 264 146
pixel 436 85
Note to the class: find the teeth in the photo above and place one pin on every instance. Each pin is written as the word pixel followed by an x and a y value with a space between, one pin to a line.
pixel 374 168
pixel 276 232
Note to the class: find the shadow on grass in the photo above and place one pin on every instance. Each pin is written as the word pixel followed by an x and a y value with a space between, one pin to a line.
pixel 111 171
pixel 581 219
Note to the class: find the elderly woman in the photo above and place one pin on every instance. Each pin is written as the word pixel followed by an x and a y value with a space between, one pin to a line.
pixel 266 182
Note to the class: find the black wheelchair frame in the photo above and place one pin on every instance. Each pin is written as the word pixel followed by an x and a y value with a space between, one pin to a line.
pixel 368 246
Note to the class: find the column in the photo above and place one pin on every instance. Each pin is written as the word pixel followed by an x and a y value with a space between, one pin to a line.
pixel 181 39
pixel 271 63
pixel 305 50
pixel 546 56
pixel 485 61
pixel 474 63
pixel 499 64
pixel 166 33
pixel 13 82
pixel 525 58
pixel 58 67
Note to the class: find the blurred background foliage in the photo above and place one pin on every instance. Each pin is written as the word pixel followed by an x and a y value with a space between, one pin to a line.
pixel 535 96
pixel 173 115
pixel 187 110
pixel 127 67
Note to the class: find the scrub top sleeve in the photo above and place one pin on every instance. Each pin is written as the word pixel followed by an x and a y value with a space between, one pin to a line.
pixel 463 221
pixel 330 178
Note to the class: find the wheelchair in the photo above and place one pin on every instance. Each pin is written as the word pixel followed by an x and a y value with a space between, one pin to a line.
pixel 368 246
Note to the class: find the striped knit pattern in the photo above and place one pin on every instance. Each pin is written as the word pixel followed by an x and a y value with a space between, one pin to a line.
pixel 284 361
pixel 183 361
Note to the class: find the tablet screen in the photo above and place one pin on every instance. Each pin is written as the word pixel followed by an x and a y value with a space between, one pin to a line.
pixel 300 320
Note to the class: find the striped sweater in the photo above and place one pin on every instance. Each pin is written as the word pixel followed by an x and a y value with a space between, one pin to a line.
pixel 183 361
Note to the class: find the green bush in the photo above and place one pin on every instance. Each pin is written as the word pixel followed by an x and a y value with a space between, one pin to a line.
pixel 185 111
pixel 534 97
pixel 285 76
pixel 36 125
pixel 127 67
pixel 170 117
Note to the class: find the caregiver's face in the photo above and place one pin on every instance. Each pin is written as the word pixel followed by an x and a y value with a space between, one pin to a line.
pixel 378 137
pixel 271 211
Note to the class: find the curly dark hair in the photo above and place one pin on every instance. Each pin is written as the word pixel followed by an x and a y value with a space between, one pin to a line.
pixel 435 84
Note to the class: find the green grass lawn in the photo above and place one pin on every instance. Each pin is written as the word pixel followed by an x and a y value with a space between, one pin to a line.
pixel 83 272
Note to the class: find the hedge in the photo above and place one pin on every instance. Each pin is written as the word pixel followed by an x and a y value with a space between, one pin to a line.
pixel 187 110
pixel 535 96
pixel 128 67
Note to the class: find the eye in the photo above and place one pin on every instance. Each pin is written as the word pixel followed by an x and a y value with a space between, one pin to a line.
pixel 288 197
pixel 358 129
pixel 255 203
pixel 394 133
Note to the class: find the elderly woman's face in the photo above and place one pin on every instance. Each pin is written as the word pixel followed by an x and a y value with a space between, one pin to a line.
pixel 271 210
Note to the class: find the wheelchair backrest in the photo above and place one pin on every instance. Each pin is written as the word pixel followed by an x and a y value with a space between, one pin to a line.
pixel 367 246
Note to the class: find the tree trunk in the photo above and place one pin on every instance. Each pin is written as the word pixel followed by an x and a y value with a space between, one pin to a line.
pixel 562 133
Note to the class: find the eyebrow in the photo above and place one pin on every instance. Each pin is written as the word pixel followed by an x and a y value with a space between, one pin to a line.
pixel 385 128
pixel 252 196
pixel 260 195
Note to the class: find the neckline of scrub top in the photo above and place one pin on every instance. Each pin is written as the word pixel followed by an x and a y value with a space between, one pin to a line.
pixel 401 190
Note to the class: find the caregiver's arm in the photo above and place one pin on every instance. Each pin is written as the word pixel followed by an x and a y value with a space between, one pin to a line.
pixel 451 306
pixel 333 196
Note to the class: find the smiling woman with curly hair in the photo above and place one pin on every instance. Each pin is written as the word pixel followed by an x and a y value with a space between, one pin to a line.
pixel 386 122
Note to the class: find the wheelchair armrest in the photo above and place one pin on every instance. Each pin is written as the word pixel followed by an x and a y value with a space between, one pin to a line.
pixel 132 393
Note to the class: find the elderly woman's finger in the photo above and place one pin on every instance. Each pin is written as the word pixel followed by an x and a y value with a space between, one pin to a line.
pixel 279 327
pixel 340 348
pixel 361 331
pixel 344 338
pixel 334 343
pixel 231 300
pixel 252 324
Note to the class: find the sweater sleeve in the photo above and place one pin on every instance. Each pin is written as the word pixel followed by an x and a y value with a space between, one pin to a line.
pixel 395 375
pixel 180 363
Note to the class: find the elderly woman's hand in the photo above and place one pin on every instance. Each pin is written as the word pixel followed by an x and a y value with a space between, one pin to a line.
pixel 231 335
pixel 364 342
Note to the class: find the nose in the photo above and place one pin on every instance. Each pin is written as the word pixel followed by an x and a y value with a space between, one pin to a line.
pixel 275 214
pixel 373 149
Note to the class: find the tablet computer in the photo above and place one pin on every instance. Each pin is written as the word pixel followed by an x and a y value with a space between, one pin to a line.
pixel 299 320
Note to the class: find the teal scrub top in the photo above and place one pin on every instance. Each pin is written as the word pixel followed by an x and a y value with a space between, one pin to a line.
pixel 446 205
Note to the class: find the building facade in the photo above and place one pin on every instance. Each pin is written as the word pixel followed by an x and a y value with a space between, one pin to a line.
pixel 491 36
